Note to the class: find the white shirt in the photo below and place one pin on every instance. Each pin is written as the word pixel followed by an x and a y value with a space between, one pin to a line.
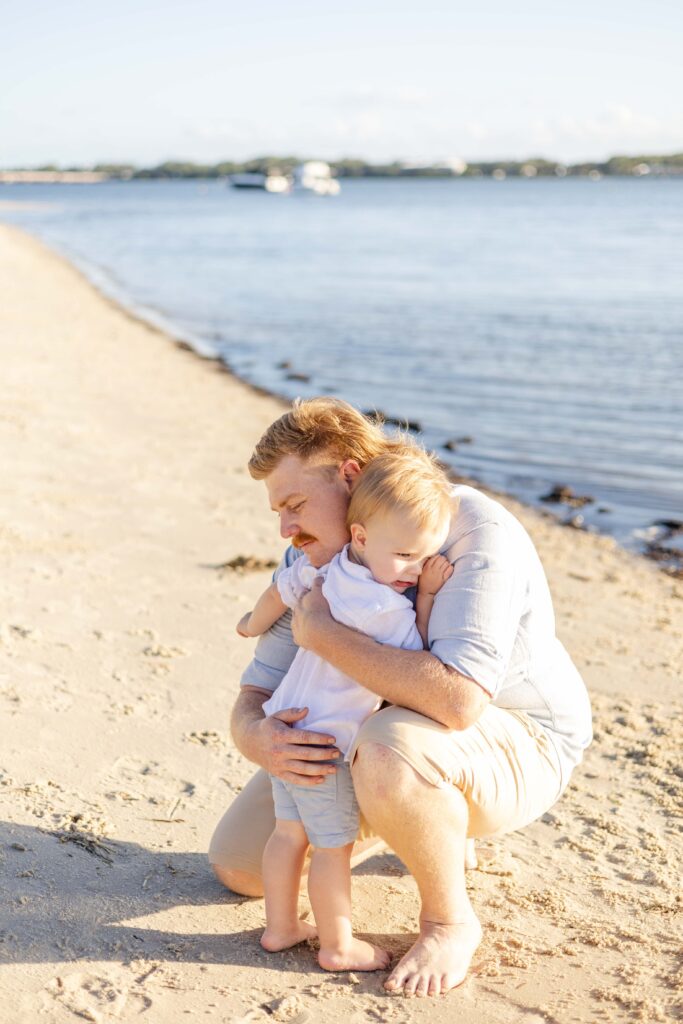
pixel 337 704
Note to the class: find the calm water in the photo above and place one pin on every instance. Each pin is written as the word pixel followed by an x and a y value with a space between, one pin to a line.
pixel 541 319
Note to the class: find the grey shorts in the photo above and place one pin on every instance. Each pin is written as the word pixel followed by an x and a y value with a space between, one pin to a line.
pixel 329 811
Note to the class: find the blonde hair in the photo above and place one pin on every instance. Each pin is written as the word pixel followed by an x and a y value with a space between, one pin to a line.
pixel 410 481
pixel 326 427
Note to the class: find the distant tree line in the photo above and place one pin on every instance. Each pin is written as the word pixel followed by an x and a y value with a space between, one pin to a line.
pixel 350 168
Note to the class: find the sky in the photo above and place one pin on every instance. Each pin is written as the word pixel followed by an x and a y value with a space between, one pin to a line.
pixel 142 82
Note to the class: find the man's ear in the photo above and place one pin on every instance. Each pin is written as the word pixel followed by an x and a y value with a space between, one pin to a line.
pixel 358 535
pixel 350 471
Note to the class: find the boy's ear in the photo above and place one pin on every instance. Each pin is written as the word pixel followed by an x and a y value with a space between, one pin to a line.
pixel 358 535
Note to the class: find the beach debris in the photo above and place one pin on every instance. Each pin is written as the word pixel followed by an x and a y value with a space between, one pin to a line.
pixel 87 841
pixel 242 564
pixel 664 545
pixel 672 526
pixel 454 443
pixel 576 522
pixel 303 377
pixel 561 494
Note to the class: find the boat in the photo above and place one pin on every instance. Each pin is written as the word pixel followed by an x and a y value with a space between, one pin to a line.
pixel 258 180
pixel 315 176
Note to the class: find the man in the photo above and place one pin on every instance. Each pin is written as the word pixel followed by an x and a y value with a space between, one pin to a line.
pixel 484 728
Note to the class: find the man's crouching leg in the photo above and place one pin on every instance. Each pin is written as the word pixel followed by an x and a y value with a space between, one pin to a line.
pixel 426 826
pixel 239 839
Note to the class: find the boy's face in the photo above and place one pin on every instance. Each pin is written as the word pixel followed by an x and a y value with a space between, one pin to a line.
pixel 394 549
pixel 311 501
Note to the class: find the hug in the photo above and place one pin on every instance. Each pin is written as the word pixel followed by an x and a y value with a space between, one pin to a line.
pixel 411 624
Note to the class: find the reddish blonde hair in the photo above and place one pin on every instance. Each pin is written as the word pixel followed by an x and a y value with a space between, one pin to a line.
pixel 327 428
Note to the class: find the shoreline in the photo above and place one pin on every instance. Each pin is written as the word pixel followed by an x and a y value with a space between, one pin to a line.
pixel 118 667
pixel 670 561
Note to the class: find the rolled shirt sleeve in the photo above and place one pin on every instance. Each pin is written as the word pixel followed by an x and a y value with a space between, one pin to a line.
pixel 275 650
pixel 476 615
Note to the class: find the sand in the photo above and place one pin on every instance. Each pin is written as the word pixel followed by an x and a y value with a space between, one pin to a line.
pixel 123 493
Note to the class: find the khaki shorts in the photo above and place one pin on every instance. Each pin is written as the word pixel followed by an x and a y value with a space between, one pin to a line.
pixel 505 766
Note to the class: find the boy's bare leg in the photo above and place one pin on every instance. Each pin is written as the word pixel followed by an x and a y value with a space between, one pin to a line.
pixel 329 889
pixel 283 859
pixel 247 883
pixel 427 827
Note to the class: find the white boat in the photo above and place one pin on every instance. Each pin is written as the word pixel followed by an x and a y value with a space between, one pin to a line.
pixel 258 180
pixel 315 176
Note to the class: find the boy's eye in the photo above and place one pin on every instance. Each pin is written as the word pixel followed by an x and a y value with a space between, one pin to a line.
pixel 403 554
pixel 295 508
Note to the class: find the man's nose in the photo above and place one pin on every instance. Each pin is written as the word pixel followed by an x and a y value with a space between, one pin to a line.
pixel 287 526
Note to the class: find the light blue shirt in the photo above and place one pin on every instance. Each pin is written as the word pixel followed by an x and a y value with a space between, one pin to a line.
pixel 492 621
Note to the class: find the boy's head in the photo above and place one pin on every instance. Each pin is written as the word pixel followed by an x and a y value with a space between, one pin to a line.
pixel 399 515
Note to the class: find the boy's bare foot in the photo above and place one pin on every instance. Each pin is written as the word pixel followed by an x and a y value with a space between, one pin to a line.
pixel 359 956
pixel 438 961
pixel 274 940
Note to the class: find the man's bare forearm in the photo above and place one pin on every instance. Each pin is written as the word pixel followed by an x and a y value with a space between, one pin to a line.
pixel 247 713
pixel 413 679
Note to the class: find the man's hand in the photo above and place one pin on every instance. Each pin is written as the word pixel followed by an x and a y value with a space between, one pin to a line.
pixel 311 614
pixel 293 755
pixel 435 572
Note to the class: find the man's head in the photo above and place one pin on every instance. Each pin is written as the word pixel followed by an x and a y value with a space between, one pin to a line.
pixel 310 459
pixel 399 515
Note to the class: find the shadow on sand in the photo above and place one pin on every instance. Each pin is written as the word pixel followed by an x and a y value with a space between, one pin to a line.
pixel 68 900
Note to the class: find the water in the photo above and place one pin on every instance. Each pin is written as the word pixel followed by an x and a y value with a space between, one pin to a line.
pixel 542 319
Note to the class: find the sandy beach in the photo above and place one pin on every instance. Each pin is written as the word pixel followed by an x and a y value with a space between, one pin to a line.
pixel 124 496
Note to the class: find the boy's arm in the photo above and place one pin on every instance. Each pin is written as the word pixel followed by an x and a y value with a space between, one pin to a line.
pixel 435 572
pixel 269 608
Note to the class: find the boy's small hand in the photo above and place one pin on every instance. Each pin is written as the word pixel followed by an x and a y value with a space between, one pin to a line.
pixel 242 625
pixel 435 572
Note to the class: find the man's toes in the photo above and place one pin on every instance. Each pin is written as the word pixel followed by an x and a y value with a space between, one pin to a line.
pixel 422 987
pixel 394 982
pixel 410 984
pixel 434 986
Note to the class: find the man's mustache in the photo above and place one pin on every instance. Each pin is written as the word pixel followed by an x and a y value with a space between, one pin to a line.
pixel 301 539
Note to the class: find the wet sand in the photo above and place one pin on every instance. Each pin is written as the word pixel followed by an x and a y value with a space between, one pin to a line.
pixel 124 493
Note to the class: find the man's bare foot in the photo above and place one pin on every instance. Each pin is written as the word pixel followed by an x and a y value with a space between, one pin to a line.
pixel 438 961
pixel 274 940
pixel 359 956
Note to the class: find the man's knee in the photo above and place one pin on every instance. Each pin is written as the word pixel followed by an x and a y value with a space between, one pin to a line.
pixel 244 883
pixel 379 771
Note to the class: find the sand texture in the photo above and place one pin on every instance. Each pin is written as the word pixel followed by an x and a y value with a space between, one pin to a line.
pixel 124 494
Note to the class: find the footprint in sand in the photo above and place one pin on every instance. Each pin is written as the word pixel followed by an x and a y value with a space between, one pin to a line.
pixel 96 997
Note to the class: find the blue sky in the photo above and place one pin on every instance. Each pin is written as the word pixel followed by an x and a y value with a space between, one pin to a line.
pixel 147 81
